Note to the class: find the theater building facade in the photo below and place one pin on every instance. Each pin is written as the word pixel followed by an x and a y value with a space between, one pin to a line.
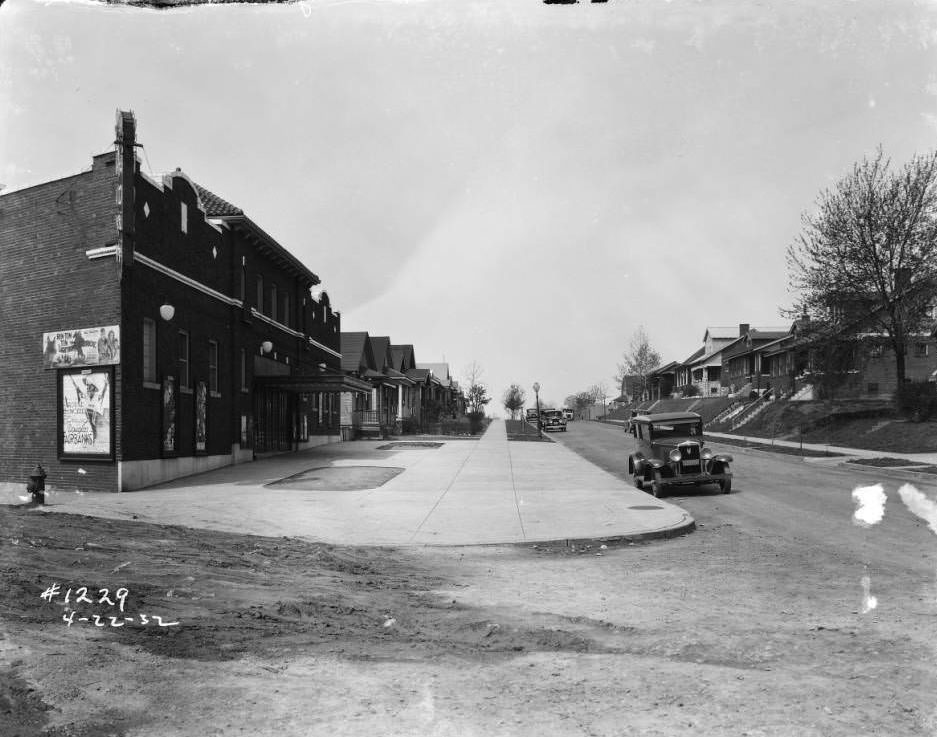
pixel 153 331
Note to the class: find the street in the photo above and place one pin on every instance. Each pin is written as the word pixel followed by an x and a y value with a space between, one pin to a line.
pixel 757 623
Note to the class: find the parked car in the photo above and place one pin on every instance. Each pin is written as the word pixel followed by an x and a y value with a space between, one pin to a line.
pixel 553 419
pixel 532 415
pixel 568 414
pixel 669 451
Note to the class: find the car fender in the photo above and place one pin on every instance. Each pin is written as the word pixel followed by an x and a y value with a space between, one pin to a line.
pixel 723 458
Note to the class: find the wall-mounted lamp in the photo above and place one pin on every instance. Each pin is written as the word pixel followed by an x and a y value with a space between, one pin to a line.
pixel 266 346
pixel 167 311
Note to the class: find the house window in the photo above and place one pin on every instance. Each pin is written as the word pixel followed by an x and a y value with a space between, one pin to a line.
pixel 149 350
pixel 243 290
pixel 920 350
pixel 243 370
pixel 260 293
pixel 184 379
pixel 873 387
pixel 213 366
pixel 876 350
pixel 184 217
pixel 273 301
pixel 286 310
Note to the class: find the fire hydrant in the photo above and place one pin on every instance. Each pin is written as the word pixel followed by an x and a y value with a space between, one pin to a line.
pixel 36 485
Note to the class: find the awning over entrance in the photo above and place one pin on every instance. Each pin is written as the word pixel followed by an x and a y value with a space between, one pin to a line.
pixel 324 382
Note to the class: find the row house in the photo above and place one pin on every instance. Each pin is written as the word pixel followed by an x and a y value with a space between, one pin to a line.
pixel 404 395
pixel 170 333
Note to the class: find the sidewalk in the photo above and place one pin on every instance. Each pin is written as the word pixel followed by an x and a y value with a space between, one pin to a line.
pixel 852 452
pixel 930 458
pixel 463 492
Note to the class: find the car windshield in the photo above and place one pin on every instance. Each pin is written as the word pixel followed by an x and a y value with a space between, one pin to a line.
pixel 678 429
pixel 553 413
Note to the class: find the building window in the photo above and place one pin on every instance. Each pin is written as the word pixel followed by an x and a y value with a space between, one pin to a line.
pixel 184 218
pixel 920 350
pixel 873 388
pixel 286 310
pixel 184 378
pixel 876 350
pixel 273 301
pixel 243 370
pixel 149 350
pixel 260 293
pixel 213 366
pixel 243 291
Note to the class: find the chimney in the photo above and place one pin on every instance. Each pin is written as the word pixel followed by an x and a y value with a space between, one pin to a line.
pixel 744 327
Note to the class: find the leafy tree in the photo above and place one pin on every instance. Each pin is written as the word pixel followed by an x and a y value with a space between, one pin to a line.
pixel 639 360
pixel 514 399
pixel 867 257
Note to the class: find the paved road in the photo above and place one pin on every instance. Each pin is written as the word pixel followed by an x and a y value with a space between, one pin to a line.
pixel 796 505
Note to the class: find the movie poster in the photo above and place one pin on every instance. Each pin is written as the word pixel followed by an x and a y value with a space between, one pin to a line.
pixel 201 411
pixel 82 347
pixel 169 415
pixel 85 414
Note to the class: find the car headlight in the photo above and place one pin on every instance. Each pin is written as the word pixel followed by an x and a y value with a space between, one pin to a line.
pixel 675 455
pixel 707 454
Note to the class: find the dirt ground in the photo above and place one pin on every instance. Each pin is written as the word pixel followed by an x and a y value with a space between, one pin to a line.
pixel 701 634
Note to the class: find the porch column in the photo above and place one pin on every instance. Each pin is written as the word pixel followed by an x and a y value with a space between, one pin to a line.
pixel 400 403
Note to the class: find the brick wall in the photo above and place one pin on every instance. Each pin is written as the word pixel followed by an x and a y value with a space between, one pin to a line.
pixel 50 284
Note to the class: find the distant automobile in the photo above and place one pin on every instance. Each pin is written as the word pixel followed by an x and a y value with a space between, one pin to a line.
pixel 568 414
pixel 531 415
pixel 553 419
pixel 668 451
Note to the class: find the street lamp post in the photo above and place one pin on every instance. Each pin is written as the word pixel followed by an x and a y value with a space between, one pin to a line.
pixel 539 423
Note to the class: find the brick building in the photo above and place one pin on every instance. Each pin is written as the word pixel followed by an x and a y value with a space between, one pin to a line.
pixel 153 330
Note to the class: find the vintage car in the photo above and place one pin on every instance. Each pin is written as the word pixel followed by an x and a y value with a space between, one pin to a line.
pixel 531 415
pixel 669 450
pixel 567 413
pixel 553 419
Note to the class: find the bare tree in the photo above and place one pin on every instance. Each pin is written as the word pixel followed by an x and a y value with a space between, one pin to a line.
pixel 477 395
pixel 639 360
pixel 514 399
pixel 867 257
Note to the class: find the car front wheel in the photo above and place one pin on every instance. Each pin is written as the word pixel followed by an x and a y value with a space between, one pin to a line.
pixel 657 485
pixel 725 485
pixel 639 484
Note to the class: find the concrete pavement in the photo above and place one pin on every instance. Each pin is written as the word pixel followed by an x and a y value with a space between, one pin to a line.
pixel 463 492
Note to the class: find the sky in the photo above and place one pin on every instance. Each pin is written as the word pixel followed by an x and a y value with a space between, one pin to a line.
pixel 503 182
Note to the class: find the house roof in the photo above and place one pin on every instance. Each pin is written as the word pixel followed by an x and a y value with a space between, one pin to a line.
pixel 380 347
pixel 696 354
pixel 354 351
pixel 403 356
pixel 722 333
pixel 440 371
pixel 418 374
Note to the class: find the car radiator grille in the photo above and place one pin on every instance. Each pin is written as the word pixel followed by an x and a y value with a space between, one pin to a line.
pixel 689 458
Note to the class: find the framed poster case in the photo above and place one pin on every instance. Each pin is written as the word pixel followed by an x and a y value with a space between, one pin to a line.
pixel 86 414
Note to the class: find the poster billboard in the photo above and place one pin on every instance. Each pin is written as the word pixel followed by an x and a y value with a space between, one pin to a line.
pixel 98 346
pixel 201 411
pixel 86 418
pixel 169 416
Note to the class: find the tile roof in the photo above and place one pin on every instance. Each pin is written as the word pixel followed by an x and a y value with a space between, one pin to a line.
pixel 215 206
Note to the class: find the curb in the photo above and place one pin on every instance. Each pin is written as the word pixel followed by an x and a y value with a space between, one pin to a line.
pixel 681 528
pixel 900 473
